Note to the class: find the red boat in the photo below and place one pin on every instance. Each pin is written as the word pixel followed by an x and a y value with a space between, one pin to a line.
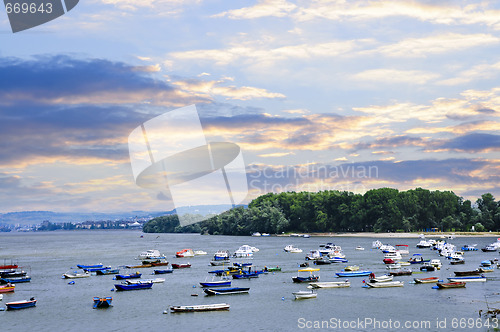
pixel 458 284
pixel 9 267
pixel 181 266
pixel 7 288
pixel 389 261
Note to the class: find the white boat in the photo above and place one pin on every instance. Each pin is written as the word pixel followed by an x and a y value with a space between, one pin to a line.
pixel 384 278
pixel 292 249
pixel 360 248
pixel 423 244
pixel 387 248
pixel 393 266
pixel 376 244
pixel 395 256
pixel 313 255
pixel 244 251
pixel 330 284
pixel 304 295
pixel 402 249
pixel 481 278
pixel 266 234
pixel 436 263
pixel 145 281
pixel 256 234
pixel 74 275
pixel 385 284
pixel 151 254
pixel 199 307
pixel 1 297
pixel 200 252
pixel 185 253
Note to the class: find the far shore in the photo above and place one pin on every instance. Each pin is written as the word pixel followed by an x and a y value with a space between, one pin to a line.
pixel 405 235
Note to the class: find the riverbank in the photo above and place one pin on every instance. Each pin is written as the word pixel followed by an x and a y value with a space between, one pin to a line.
pixel 406 235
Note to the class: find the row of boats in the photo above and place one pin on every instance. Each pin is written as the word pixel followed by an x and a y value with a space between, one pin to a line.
pixel 10 275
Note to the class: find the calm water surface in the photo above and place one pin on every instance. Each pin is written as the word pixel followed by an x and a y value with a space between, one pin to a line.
pixel 268 307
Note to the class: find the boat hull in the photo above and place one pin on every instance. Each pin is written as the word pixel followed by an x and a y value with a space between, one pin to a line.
pixel 451 285
pixel 331 284
pixel 20 305
pixel 128 287
pixel 202 307
pixel 102 302
pixel 226 291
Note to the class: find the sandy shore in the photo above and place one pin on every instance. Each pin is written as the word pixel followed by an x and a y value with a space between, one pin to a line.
pixel 407 235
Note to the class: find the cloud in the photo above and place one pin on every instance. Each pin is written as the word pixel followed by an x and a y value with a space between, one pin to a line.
pixel 264 8
pixel 474 142
pixel 395 76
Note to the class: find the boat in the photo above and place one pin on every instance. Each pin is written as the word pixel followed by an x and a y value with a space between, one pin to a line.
pixel 351 268
pixel 486 269
pixel 145 281
pixel 481 278
pixel 10 266
pixel 7 288
pixel 330 284
pixel 256 234
pixel 467 247
pixel 402 249
pixel 158 263
pixel 337 260
pixel 106 272
pixel 310 278
pixel 102 302
pixel 1 297
pixel 436 263
pixel 458 284
pixel 395 266
pixel 322 261
pixel 489 248
pixel 226 291
pixel 185 253
pixel 75 275
pixel 427 268
pixel 418 259
pixel 313 255
pixel 199 307
pixel 376 244
pixel 467 273
pixel 21 304
pixel 216 283
pixel 12 274
pixel 95 269
pixel 383 278
pixel 128 276
pixel 162 271
pixel 181 266
pixel 405 272
pixel 15 280
pixel 127 287
pixel 305 295
pixel 426 280
pixel 200 253
pixel 385 284
pixel 394 256
pixel 360 248
pixel 151 254
pixel 246 275
pixel 244 251
pixel 353 274
pixel 456 261
pixel 272 269
pixel 266 234
pixel 423 244
pixel 83 267
pixel 486 263
pixel 292 249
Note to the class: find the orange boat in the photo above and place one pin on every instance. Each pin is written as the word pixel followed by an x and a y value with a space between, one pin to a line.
pixel 7 288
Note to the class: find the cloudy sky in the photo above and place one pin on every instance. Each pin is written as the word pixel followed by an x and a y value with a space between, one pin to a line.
pixel 347 95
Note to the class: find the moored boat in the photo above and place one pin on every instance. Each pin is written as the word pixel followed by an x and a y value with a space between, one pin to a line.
pixel 102 302
pixel 351 268
pixel 353 274
pixel 75 275
pixel 7 288
pixel 181 266
pixel 216 283
pixel 304 295
pixel 405 272
pixel 458 284
pixel 309 278
pixel 330 284
pixel 106 272
pixel 200 307
pixel 468 279
pixel 426 280
pixel 128 276
pixel 127 287
pixel 185 253
pixel 15 280
pixel 467 273
pixel 385 284
pixel 21 304
pixel 83 266
pixel 383 278
pixel 163 271
pixel 226 291
pixel 145 281
pixel 292 249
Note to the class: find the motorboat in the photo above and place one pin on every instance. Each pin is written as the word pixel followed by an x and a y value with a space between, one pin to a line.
pixel 292 249
pixel 256 234
pixel 467 247
pixel 200 307
pixel 75 274
pixel 402 249
pixel 395 256
pixel 152 254
pixel 353 274
pixel 244 251
pixel 423 244
pixel 185 253
pixel 383 278
pixel 376 244
pixel 418 259
pixel 145 281
pixel 436 263
pixel 330 284
pixel 310 278
pixel 360 248
pixel 351 268
pixel 385 284
pixel 480 278
pixel 8 288
pixel 137 286
pixel 314 254
pixel 21 304
pixel 200 252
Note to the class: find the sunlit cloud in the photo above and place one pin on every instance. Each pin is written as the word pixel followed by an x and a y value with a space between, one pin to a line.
pixel 394 76
pixel 264 8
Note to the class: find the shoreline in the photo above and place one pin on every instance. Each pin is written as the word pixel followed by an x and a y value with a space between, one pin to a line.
pixel 405 235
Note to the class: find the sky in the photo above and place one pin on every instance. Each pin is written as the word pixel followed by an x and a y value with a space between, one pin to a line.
pixel 318 95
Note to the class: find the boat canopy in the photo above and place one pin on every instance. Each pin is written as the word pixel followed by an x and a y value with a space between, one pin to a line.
pixel 309 269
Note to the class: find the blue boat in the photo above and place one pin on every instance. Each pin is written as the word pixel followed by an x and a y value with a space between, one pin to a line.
pixel 128 276
pixel 246 275
pixel 81 266
pixel 469 248
pixel 127 287
pixel 107 271
pixel 163 271
pixel 418 259
pixel 21 304
pixel 242 264
pixel 486 263
pixel 15 280
pixel 95 269
pixel 338 260
pixel 220 283
pixel 102 302
pixel 353 274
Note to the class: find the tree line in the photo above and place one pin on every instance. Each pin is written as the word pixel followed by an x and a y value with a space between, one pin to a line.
pixel 378 210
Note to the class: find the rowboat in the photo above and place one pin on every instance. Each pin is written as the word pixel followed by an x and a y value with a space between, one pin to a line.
pixel 106 272
pixel 181 266
pixel 384 278
pixel 246 275
pixel 304 295
pixel 226 291
pixel 145 281
pixel 102 302
pixel 330 284
pixel 218 283
pixel 426 280
pixel 83 267
pixel 385 284
pixel 309 278
pixel 74 275
pixel 12 274
pixel 484 269
pixel 95 269
pixel 163 271
pixel 272 269
pixel 127 287
pixel 467 273
pixel 468 279
pixel 400 273
pixel 7 288
pixel 458 284
pixel 353 274
pixel 15 280
pixel 21 304
pixel 200 307
pixel 128 276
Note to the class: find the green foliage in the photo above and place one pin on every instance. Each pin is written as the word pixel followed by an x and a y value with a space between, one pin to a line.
pixel 378 210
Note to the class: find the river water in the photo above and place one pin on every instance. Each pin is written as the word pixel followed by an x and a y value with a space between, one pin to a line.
pixel 269 306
